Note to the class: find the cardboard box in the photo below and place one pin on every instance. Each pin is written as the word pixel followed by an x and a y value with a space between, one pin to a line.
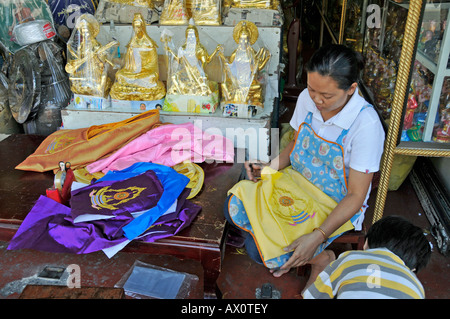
pixel 192 103
pixel 122 13
pixel 260 17
pixel 91 102
pixel 136 106
pixel 238 110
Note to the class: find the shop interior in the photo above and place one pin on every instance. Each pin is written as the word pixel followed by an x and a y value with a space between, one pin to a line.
pixel 133 73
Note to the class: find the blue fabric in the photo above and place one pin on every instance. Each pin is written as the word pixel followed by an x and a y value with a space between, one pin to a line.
pixel 173 183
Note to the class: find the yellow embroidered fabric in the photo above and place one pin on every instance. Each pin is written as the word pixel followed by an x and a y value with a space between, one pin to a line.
pixel 283 206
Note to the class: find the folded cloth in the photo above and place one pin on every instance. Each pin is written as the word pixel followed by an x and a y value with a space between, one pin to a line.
pixel 86 145
pixel 168 145
pixel 49 227
pixel 172 182
pixel 106 199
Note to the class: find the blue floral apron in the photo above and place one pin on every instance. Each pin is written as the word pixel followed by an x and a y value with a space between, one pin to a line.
pixel 321 162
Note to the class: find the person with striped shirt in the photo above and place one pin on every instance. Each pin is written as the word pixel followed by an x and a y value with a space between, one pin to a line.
pixel 394 251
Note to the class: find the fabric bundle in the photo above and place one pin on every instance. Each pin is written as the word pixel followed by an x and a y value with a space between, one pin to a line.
pixel 169 145
pixel 144 202
pixel 126 187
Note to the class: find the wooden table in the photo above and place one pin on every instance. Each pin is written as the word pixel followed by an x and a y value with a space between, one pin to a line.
pixel 203 240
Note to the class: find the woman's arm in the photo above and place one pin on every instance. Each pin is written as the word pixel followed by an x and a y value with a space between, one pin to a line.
pixel 281 161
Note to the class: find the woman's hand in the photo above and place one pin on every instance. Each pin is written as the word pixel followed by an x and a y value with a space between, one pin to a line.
pixel 304 248
pixel 253 169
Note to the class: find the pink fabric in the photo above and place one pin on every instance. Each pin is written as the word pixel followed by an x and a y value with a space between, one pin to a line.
pixel 168 145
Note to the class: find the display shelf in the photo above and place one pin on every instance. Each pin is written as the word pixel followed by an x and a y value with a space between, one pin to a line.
pixel 403 59
pixel 253 133
pixel 395 46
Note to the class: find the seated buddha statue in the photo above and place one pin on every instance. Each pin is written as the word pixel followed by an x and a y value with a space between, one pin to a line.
pixel 187 68
pixel 88 61
pixel 138 79
pixel 241 84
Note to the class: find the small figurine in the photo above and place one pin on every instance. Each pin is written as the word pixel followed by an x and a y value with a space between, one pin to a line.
pixel 88 61
pixel 138 79
pixel 241 84
pixel 410 109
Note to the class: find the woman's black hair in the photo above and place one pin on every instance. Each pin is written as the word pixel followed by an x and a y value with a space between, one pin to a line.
pixel 337 61
pixel 402 238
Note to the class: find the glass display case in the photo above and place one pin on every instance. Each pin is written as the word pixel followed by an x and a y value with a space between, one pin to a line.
pixel 426 112
pixel 407 78
pixel 406 46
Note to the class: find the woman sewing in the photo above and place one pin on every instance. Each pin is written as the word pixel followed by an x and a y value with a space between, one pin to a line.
pixel 318 186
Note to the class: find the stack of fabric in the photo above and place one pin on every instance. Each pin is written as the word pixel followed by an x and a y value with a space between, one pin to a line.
pixel 142 191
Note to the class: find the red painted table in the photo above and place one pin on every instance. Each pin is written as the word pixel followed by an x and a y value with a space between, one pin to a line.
pixel 203 240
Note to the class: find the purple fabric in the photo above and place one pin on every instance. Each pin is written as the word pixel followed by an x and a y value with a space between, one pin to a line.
pixel 171 224
pixel 49 227
pixel 113 198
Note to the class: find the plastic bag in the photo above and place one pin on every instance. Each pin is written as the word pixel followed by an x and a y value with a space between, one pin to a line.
pixel 243 83
pixel 89 62
pixel 65 12
pixel 186 69
pixel 174 13
pixel 145 281
pixel 205 12
pixel 24 22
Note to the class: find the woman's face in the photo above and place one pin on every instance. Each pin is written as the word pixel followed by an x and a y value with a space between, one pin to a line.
pixel 326 94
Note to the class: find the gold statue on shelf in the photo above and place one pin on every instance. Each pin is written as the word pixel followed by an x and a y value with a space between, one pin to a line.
pixel 88 61
pixel 174 13
pixel 241 84
pixel 187 68
pixel 138 79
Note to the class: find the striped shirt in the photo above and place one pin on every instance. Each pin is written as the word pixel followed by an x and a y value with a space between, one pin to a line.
pixel 369 274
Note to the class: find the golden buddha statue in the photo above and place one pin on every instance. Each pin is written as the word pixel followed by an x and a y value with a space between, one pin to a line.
pixel 88 61
pixel 241 84
pixel 174 13
pixel 138 79
pixel 187 68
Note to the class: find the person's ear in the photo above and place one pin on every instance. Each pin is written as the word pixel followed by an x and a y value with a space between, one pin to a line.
pixel 366 245
pixel 352 88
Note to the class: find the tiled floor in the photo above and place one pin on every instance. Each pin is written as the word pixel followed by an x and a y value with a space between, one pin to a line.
pixel 241 277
